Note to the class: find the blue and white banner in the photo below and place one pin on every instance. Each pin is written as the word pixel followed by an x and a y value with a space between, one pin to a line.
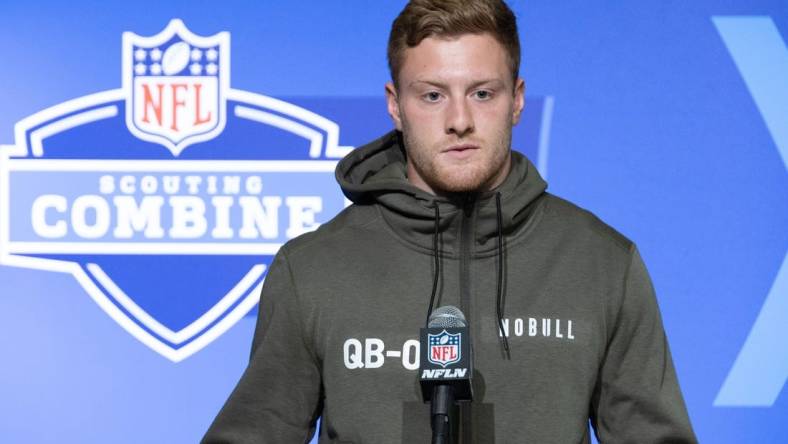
pixel 154 157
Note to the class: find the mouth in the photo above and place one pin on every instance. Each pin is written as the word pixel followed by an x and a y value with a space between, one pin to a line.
pixel 462 151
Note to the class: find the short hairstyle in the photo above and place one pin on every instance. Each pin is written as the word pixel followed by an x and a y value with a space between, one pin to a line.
pixel 451 18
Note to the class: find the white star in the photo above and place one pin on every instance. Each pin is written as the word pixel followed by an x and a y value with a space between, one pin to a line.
pixel 212 54
pixel 139 55
pixel 155 69
pixel 211 69
pixel 155 55
pixel 195 69
pixel 139 69
pixel 196 54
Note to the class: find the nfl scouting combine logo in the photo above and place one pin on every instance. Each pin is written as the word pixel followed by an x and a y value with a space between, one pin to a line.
pixel 444 348
pixel 167 198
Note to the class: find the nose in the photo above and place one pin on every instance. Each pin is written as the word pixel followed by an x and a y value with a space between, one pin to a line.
pixel 459 118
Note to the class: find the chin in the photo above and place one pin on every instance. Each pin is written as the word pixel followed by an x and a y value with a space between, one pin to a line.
pixel 462 184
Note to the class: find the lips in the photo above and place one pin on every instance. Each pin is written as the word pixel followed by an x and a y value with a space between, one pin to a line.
pixel 461 151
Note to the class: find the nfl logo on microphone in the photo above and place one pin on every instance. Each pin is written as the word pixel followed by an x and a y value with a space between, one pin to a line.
pixel 444 348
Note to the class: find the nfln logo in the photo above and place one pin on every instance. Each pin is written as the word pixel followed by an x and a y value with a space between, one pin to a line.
pixel 167 198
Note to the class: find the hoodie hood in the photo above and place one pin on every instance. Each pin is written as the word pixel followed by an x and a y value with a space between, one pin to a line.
pixel 376 172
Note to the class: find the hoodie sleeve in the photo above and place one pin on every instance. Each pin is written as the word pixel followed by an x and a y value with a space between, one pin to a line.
pixel 277 399
pixel 637 397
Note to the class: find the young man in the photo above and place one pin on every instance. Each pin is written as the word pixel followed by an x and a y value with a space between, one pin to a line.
pixel 564 321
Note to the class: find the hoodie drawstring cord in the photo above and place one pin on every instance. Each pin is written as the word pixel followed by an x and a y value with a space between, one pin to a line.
pixel 499 292
pixel 436 255
pixel 499 296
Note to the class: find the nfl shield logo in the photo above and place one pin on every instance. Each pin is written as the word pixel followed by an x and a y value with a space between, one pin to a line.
pixel 444 348
pixel 176 84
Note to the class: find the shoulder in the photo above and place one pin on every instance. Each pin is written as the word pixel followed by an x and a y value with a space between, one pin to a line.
pixel 340 231
pixel 322 262
pixel 581 225
pixel 598 256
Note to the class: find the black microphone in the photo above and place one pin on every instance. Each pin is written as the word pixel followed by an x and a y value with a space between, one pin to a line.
pixel 445 367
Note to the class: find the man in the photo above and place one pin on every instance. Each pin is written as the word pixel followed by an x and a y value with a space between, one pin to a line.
pixel 564 321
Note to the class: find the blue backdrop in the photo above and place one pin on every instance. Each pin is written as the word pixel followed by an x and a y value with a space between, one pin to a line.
pixel 667 119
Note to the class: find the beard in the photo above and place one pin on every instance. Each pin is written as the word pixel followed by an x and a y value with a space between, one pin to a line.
pixel 481 172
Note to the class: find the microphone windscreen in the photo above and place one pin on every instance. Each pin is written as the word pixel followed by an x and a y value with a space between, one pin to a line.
pixel 447 316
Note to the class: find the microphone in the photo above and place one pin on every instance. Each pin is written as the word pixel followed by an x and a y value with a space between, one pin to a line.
pixel 445 367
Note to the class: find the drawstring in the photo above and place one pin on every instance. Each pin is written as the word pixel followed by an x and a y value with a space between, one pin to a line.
pixel 435 254
pixel 499 298
pixel 499 295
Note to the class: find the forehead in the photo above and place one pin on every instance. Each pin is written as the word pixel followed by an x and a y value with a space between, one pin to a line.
pixel 468 57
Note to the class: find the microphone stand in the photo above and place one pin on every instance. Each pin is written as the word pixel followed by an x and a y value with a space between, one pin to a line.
pixel 442 403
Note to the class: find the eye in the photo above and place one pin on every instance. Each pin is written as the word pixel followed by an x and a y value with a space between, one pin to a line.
pixel 483 94
pixel 432 96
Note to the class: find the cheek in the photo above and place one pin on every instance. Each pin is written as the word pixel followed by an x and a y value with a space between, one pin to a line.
pixel 498 114
pixel 494 124
pixel 425 126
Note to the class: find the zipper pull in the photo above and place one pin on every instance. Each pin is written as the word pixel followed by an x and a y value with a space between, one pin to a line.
pixel 467 204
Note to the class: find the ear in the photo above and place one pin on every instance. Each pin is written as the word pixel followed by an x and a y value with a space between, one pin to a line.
pixel 519 100
pixel 393 105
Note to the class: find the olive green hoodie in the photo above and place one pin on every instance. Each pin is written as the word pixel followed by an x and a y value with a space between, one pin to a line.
pixel 341 308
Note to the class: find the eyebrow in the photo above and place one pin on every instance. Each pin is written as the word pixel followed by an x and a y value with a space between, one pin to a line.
pixel 438 84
